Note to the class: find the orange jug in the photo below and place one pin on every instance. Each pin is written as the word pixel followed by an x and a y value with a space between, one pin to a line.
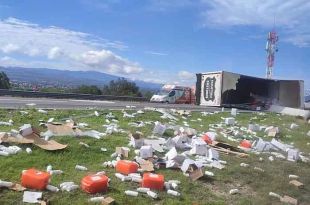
pixel 126 167
pixel 35 179
pixel 245 144
pixel 94 184
pixel 207 139
pixel 153 181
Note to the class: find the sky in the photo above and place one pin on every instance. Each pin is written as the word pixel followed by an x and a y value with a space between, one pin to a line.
pixel 162 41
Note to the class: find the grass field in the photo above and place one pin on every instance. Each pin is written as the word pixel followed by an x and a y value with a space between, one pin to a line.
pixel 254 186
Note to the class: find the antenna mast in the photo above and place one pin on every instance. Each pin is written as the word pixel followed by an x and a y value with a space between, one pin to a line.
pixel 271 48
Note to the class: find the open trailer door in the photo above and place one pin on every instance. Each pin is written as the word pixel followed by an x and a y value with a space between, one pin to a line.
pixel 209 89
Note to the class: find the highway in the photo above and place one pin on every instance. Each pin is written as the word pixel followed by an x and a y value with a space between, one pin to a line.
pixel 48 103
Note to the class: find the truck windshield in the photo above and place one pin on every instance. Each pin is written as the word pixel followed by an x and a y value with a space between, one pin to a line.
pixel 163 92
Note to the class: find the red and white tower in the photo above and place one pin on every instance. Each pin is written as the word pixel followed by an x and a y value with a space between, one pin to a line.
pixel 271 48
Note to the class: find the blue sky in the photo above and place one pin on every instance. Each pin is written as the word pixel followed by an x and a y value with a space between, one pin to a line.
pixel 157 41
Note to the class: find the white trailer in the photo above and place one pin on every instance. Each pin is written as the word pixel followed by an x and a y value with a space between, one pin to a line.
pixel 228 89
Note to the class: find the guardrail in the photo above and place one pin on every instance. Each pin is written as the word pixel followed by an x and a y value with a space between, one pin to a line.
pixel 33 94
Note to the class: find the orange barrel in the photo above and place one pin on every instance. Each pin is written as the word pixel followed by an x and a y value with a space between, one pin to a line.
pixel 153 181
pixel 126 167
pixel 94 184
pixel 35 179
pixel 245 144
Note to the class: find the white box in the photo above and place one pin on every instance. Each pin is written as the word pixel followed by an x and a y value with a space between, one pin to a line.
pixel 229 121
pixel 146 152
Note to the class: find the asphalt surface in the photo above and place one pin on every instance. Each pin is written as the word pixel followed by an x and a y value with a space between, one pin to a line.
pixel 48 103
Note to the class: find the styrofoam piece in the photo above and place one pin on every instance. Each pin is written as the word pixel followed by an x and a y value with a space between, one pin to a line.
pixel 208 173
pixel 233 111
pixel 233 191
pixel 80 168
pixel 96 199
pixel 173 192
pixel 292 176
pixel 143 189
pixel 152 194
pixel 4 153
pixel 213 154
pixel 146 152
pixel 271 158
pixel 274 195
pixel 26 129
pixel 52 188
pixel 279 145
pixel 131 193
pixel 28 150
pixel 244 165
pixel 293 155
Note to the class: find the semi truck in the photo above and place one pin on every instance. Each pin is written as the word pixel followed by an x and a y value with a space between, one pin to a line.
pixel 228 89
pixel 175 94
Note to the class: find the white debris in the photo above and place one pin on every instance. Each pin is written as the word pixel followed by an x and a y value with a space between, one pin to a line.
pixel 56 172
pixel 28 150
pixel 234 191
pixel 210 174
pixel 152 194
pixel 146 152
pixel 229 121
pixel 131 193
pixel 96 199
pixel 84 144
pixel 6 184
pixel 103 149
pixel 96 113
pixel 80 168
pixel 292 176
pixel 10 123
pixel 42 111
pixel 143 190
pixel 233 111
pixel 173 192
pixel 244 165
pixel 68 186
pixel 32 197
pixel 52 188
pixel 294 126
pixel 274 195
pixel 271 158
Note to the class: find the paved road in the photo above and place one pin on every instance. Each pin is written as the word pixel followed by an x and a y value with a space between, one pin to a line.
pixel 48 103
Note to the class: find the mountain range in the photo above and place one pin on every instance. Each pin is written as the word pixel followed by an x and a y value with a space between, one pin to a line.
pixel 47 76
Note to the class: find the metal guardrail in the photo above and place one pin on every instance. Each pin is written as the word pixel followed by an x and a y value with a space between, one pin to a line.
pixel 33 94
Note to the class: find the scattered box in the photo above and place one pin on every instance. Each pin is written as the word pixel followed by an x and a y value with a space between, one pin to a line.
pixel 289 200
pixel 297 183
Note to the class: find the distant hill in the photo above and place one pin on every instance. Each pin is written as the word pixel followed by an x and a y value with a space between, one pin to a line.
pixel 65 77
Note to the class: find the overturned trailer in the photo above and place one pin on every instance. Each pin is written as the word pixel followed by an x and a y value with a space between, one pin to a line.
pixel 228 89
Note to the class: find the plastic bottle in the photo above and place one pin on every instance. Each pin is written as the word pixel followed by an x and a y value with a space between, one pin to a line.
pixel 56 172
pixel 274 195
pixel 49 168
pixel 52 188
pixel 120 176
pixel 173 193
pixel 131 193
pixel 81 168
pixel 292 176
pixel 6 184
pixel 143 189
pixel 152 194
pixel 96 199
pixel 208 173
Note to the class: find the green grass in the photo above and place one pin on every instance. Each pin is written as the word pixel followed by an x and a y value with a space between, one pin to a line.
pixel 254 186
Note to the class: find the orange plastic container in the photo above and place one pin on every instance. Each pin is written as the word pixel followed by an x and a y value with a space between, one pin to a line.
pixel 35 179
pixel 126 167
pixel 153 181
pixel 94 184
pixel 245 144
pixel 207 139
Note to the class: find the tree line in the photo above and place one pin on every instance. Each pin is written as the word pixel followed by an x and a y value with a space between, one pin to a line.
pixel 119 87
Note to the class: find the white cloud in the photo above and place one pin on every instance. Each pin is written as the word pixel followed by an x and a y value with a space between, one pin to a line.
pixel 9 48
pixel 156 53
pixel 185 75
pixel 291 17
pixel 62 48
pixel 109 61
pixel 54 52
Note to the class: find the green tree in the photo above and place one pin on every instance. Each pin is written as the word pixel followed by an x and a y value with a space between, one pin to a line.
pixel 121 87
pixel 4 81
pixel 86 89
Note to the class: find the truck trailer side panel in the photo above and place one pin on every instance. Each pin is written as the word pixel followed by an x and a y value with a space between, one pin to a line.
pixel 209 89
